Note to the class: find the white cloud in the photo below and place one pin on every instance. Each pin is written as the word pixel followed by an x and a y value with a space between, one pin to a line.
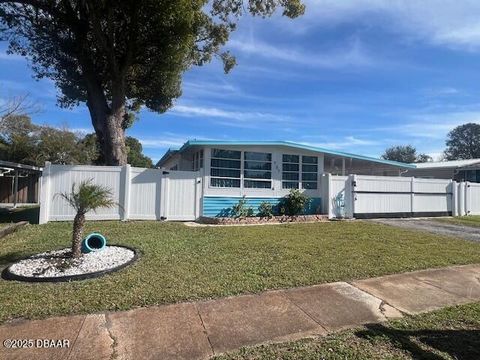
pixel 344 143
pixel 431 126
pixel 441 91
pixel 448 22
pixel 168 140
pixel 242 118
pixel 352 54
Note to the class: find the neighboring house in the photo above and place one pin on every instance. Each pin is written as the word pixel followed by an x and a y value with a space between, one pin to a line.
pixel 267 170
pixel 459 170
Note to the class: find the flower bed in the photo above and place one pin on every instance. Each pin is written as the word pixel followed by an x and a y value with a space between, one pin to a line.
pixel 261 220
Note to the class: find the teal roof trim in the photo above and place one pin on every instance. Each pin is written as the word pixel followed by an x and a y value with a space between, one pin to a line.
pixel 190 143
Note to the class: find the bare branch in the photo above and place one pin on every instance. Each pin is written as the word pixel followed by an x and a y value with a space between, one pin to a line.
pixel 19 105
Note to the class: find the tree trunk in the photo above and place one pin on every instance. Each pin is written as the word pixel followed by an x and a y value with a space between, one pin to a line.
pixel 108 120
pixel 115 151
pixel 78 224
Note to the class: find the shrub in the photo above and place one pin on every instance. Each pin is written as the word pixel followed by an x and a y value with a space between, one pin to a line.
pixel 265 209
pixel 294 203
pixel 240 210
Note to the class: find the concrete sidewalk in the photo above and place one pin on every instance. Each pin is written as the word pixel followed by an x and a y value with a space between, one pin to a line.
pixel 202 329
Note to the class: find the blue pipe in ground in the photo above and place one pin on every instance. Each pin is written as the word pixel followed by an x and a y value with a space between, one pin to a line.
pixel 93 242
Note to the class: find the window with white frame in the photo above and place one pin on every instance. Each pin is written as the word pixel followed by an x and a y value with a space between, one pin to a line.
pixel 309 172
pixel 290 171
pixel 257 170
pixel 225 167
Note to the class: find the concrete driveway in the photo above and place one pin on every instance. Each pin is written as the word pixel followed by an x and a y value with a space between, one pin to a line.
pixel 434 226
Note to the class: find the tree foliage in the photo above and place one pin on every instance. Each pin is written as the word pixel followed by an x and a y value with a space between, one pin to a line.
pixel 406 154
pixel 23 142
pixel 116 56
pixel 463 142
pixel 135 156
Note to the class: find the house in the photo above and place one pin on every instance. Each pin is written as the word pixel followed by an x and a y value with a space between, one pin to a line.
pixel 267 170
pixel 459 170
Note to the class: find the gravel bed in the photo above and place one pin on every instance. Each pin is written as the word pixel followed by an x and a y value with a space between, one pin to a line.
pixel 58 263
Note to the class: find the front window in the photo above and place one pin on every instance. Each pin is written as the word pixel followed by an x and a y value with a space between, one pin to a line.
pixel 290 171
pixel 299 171
pixel 225 168
pixel 257 171
pixel 309 172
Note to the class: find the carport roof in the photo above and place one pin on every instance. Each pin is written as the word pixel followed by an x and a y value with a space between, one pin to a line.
pixel 290 144
pixel 448 164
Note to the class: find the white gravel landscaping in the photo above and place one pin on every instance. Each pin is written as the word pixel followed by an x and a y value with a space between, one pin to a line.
pixel 58 263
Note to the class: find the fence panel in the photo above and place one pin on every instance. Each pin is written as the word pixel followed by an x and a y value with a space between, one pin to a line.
pixel 61 180
pixel 145 194
pixel 385 196
pixel 181 191
pixel 473 199
pixel 139 194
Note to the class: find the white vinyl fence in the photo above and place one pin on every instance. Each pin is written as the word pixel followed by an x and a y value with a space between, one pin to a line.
pixel 362 196
pixel 140 194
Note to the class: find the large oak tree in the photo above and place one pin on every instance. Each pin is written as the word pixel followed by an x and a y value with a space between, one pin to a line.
pixel 118 55
pixel 406 154
pixel 463 142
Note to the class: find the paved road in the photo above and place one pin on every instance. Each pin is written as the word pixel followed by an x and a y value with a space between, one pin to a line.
pixel 437 227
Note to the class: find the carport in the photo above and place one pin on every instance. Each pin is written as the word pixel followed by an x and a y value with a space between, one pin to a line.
pixel 18 183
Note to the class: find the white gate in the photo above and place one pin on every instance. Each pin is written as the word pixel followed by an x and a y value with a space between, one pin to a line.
pixel 144 194
pixel 472 198
pixel 182 194
pixel 384 196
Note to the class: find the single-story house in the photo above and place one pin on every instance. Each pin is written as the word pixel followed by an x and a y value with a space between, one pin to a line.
pixel 459 170
pixel 267 170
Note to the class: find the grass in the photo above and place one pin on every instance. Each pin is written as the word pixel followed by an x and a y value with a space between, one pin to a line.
pixel 450 333
pixel 180 263
pixel 471 220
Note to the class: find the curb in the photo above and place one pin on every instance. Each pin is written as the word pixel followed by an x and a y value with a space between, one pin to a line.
pixel 7 275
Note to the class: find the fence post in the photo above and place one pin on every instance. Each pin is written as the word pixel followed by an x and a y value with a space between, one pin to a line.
pixel 126 172
pixel 468 199
pixel 45 194
pixel 461 199
pixel 412 195
pixel 328 195
pixel 454 186
pixel 350 196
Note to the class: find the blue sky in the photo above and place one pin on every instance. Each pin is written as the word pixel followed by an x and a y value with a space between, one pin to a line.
pixel 354 76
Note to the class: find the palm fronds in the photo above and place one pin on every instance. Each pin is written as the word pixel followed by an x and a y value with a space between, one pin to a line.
pixel 88 197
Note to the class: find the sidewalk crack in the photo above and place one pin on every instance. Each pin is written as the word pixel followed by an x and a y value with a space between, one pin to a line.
pixel 76 337
pixel 442 289
pixel 205 330
pixel 303 311
pixel 108 327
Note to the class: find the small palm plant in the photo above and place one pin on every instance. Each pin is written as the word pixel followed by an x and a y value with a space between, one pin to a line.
pixel 83 199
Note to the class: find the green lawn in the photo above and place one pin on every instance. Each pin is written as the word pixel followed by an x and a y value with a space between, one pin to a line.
pixel 451 333
pixel 471 220
pixel 183 263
